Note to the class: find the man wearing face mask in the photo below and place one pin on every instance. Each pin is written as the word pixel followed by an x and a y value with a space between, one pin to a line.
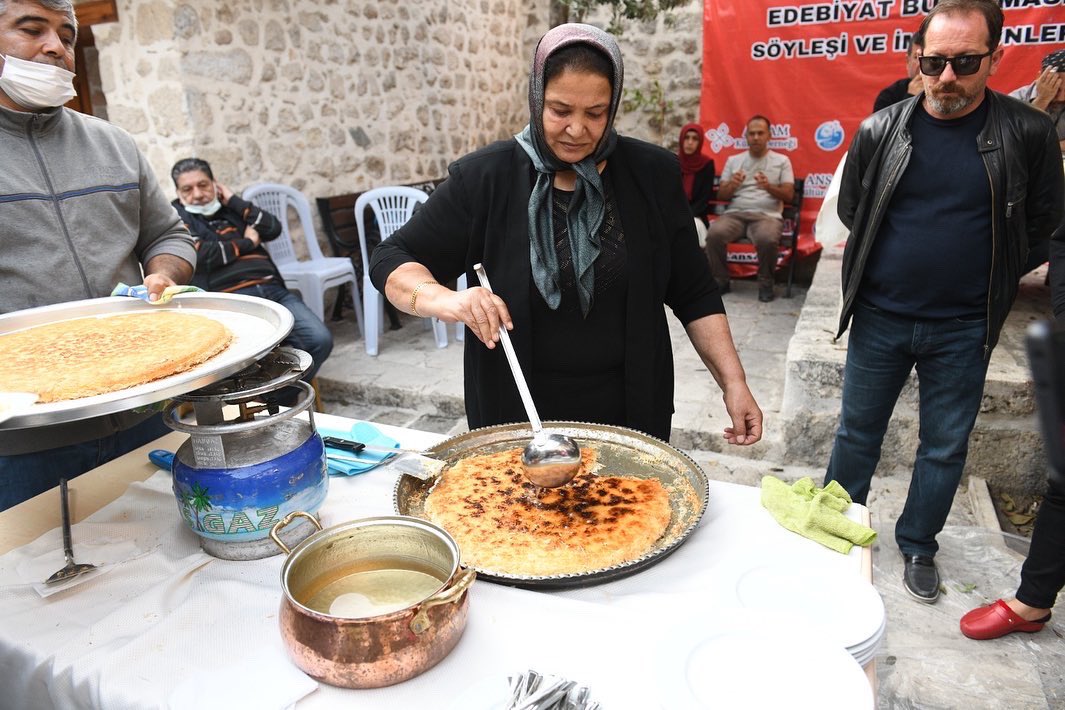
pixel 80 211
pixel 229 235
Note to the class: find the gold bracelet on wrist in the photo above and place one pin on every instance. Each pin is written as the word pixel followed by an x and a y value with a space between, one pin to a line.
pixel 414 296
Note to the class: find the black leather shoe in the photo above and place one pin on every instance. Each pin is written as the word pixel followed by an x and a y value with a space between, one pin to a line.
pixel 765 294
pixel 921 578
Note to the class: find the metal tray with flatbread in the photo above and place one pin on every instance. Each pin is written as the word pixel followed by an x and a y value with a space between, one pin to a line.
pixel 621 452
pixel 256 323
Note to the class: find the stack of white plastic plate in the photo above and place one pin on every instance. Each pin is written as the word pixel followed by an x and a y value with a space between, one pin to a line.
pixel 761 660
pixel 844 607
pixel 866 651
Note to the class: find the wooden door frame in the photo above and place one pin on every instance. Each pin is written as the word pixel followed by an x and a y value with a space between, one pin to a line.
pixel 88 13
pixel 95 12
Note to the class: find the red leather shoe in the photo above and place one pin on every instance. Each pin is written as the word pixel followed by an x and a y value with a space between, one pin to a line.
pixel 996 620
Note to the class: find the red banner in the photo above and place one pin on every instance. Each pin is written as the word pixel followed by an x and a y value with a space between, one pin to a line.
pixel 815 68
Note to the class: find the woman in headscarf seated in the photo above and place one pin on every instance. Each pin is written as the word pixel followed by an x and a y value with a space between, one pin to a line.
pixel 584 235
pixel 697 176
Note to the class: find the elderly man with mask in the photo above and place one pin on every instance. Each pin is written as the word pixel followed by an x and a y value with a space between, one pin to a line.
pixel 80 211
pixel 229 234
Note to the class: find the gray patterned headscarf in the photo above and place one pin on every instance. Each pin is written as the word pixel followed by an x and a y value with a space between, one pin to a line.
pixel 588 203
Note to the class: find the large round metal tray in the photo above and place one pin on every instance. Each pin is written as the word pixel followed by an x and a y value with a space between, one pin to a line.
pixel 256 323
pixel 621 452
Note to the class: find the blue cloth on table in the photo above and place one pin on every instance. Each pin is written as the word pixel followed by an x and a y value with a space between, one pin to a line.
pixel 367 434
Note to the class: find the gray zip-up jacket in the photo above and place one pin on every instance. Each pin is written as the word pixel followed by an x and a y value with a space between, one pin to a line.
pixel 80 211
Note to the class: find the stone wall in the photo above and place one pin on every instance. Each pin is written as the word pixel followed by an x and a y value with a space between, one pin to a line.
pixel 337 96
pixel 668 50
pixel 328 96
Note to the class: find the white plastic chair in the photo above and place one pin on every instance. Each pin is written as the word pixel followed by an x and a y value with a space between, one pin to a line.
pixel 317 274
pixel 392 206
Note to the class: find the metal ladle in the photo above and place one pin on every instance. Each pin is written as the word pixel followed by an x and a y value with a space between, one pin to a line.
pixel 550 460
pixel 71 570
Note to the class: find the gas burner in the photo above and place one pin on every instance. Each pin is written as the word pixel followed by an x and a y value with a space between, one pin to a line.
pixel 234 478
pixel 279 368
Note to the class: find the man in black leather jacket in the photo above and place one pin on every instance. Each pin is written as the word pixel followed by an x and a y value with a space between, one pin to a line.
pixel 944 194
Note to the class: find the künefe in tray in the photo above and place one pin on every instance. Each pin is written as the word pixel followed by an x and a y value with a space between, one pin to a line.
pixel 502 526
pixel 83 357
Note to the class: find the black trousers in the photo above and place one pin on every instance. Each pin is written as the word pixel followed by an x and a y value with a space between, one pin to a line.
pixel 1043 573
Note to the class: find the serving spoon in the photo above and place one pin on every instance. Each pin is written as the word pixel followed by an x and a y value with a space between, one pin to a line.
pixel 551 459
pixel 71 570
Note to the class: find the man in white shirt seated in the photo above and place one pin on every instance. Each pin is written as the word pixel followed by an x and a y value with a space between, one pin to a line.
pixel 756 184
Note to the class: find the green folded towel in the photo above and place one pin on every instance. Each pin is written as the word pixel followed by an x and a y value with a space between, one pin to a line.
pixel 815 513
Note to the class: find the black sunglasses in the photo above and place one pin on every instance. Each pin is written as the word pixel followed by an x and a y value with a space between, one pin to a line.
pixel 963 65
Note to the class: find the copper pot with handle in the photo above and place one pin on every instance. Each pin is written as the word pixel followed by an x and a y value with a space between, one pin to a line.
pixel 372 602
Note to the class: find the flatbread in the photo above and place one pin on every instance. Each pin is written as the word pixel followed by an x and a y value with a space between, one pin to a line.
pixel 90 356
pixel 592 523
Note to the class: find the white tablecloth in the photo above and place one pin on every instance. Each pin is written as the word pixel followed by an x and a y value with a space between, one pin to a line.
pixel 143 634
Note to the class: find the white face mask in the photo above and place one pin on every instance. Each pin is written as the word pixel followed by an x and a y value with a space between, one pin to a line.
pixel 35 85
pixel 207 210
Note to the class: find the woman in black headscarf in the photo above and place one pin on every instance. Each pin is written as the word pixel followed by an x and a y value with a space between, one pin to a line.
pixel 585 235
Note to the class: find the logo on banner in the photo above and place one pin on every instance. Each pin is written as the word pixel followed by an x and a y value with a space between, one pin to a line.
pixel 780 138
pixel 829 135
pixel 816 184
pixel 719 138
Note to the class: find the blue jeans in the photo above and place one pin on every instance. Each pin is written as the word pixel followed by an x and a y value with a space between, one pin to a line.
pixel 309 333
pixel 948 356
pixel 25 475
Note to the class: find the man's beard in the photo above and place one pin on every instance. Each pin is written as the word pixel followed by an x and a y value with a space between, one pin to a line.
pixel 946 102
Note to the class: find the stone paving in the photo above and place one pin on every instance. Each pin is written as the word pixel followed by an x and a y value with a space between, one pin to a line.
pixel 925 662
